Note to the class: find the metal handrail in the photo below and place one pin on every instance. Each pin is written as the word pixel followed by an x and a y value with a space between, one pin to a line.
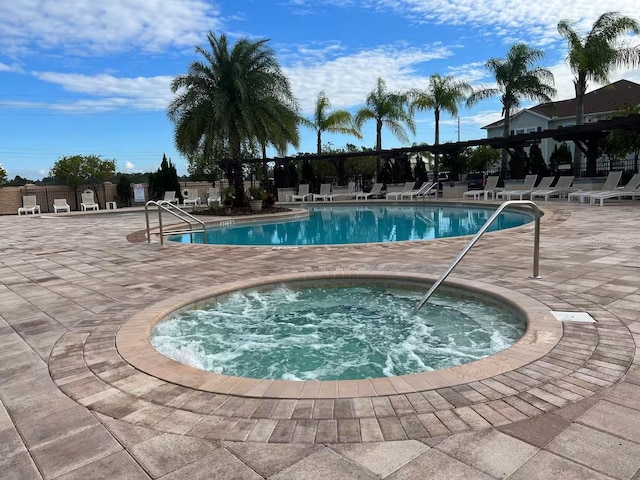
pixel 536 245
pixel 164 205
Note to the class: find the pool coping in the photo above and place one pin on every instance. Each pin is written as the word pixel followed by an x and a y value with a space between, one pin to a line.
pixel 542 334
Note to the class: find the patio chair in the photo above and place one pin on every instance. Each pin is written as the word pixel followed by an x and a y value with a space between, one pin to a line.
pixel 88 202
pixel 408 187
pixel 562 187
pixel 375 191
pixel 29 205
pixel 325 189
pixel 170 196
pixel 629 190
pixel 346 193
pixel 524 189
pixel 61 205
pixel 213 196
pixel 490 189
pixel 420 192
pixel 609 184
pixel 190 196
pixel 303 193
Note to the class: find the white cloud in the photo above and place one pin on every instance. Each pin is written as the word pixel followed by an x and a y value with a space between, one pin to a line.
pixel 10 68
pixel 348 78
pixel 90 27
pixel 129 167
pixel 108 92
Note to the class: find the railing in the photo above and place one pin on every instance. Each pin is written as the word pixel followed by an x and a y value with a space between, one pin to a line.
pixel 165 206
pixel 472 242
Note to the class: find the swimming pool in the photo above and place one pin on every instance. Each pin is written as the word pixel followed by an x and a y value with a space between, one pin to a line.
pixel 335 225
pixel 336 331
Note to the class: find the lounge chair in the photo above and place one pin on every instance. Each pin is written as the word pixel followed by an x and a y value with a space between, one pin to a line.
pixel 562 188
pixel 303 193
pixel 375 191
pixel 629 190
pixel 346 193
pixel 170 196
pixel 29 205
pixel 609 184
pixel 213 196
pixel 490 189
pixel 88 202
pixel 522 190
pixel 408 187
pixel 325 189
pixel 61 205
pixel 190 196
pixel 420 192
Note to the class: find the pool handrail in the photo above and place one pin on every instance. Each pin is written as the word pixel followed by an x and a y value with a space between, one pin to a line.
pixel 476 237
pixel 165 205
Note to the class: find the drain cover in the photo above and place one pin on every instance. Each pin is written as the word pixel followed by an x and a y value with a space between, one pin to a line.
pixel 573 317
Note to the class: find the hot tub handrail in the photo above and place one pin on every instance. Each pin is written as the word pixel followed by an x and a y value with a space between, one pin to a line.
pixel 164 205
pixel 476 237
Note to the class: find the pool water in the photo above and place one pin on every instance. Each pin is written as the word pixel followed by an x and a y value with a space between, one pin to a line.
pixel 351 224
pixel 335 333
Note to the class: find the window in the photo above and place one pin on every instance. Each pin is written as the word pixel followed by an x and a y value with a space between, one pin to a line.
pixel 519 131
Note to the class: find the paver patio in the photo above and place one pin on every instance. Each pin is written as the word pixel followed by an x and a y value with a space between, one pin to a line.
pixel 73 407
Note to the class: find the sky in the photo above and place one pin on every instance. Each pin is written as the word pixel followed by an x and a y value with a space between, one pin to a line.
pixel 81 77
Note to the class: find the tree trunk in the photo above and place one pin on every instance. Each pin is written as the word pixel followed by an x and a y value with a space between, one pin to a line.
pixel 436 156
pixel 378 147
pixel 504 166
pixel 580 85
pixel 319 145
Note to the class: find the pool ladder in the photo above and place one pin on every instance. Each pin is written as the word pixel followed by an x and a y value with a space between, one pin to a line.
pixel 476 237
pixel 165 206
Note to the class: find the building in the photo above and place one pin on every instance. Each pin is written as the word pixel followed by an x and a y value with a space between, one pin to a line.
pixel 599 104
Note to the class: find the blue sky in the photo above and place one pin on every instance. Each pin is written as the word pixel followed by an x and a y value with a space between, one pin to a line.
pixel 88 77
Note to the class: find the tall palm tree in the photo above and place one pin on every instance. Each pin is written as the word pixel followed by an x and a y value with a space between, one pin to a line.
pixel 592 57
pixel 388 109
pixel 442 94
pixel 517 77
pixel 337 121
pixel 234 101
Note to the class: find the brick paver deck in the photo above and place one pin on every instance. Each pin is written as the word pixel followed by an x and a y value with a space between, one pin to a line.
pixel 73 407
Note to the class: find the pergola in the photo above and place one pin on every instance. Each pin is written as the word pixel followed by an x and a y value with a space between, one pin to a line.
pixel 586 137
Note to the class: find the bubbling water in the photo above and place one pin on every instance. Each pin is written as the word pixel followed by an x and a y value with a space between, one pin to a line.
pixel 335 333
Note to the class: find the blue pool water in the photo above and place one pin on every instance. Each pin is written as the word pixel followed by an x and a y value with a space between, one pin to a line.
pixel 358 224
pixel 335 333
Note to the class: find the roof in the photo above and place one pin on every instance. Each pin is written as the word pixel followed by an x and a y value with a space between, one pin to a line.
pixel 609 98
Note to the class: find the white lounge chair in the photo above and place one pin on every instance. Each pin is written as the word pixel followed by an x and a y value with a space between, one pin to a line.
pixel 325 189
pixel 522 190
pixel 562 188
pixel 408 187
pixel 213 196
pixel 88 202
pixel 346 193
pixel 190 196
pixel 629 190
pixel 170 196
pixel 303 193
pixel 375 191
pixel 420 192
pixel 609 184
pixel 61 205
pixel 490 189
pixel 29 205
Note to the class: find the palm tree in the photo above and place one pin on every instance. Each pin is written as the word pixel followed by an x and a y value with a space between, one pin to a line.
pixel 388 109
pixel 517 78
pixel 337 121
pixel 442 94
pixel 592 57
pixel 233 102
